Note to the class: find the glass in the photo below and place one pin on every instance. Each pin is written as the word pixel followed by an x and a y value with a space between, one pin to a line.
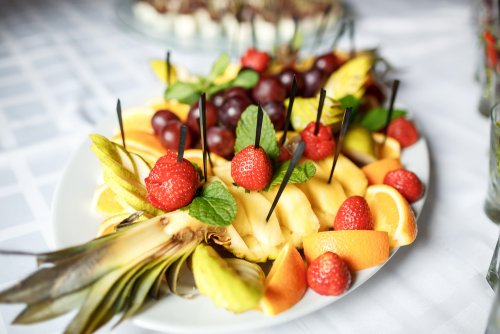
pixel 493 325
pixel 492 204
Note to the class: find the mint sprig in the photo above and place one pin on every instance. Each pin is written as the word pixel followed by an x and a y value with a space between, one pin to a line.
pixel 300 174
pixel 245 133
pixel 214 206
pixel 375 118
pixel 245 79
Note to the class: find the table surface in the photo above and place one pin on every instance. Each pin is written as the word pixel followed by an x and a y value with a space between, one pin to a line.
pixel 64 63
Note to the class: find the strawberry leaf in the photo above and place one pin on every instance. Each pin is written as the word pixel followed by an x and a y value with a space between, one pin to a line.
pixel 245 133
pixel 300 174
pixel 214 206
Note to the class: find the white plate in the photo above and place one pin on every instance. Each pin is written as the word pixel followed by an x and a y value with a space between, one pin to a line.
pixel 73 223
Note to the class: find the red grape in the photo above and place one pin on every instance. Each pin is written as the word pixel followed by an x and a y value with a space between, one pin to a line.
pixel 286 78
pixel 170 136
pixel 220 141
pixel 268 89
pixel 161 118
pixel 327 63
pixel 193 121
pixel 314 79
pixel 276 111
pixel 236 92
pixel 217 99
pixel 230 112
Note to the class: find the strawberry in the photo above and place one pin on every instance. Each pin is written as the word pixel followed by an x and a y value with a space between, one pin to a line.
pixel 171 184
pixel 406 182
pixel 353 214
pixel 256 60
pixel 251 168
pixel 328 275
pixel 404 131
pixel 285 154
pixel 317 146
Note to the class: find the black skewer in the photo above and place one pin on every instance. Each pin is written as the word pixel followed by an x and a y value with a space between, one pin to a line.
pixel 182 143
pixel 293 92
pixel 322 96
pixel 120 121
pixel 343 129
pixel 203 132
pixel 390 111
pixel 167 66
pixel 295 159
pixel 258 130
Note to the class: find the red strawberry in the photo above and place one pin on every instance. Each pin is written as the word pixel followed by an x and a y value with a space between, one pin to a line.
pixel 318 146
pixel 406 182
pixel 251 168
pixel 328 275
pixel 404 131
pixel 171 184
pixel 284 154
pixel 255 59
pixel 353 214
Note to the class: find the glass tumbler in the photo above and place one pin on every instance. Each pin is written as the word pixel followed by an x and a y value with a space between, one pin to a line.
pixel 492 204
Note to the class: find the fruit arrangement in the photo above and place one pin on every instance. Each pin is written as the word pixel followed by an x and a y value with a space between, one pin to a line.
pixel 256 165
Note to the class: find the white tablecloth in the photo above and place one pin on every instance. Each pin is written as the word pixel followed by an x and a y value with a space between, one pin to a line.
pixel 63 59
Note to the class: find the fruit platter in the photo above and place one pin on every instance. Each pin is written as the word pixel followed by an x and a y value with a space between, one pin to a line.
pixel 248 197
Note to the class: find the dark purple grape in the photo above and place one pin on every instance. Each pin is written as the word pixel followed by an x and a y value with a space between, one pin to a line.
pixel 217 99
pixel 220 141
pixel 314 80
pixel 276 111
pixel 193 121
pixel 327 63
pixel 161 118
pixel 286 78
pixel 236 92
pixel 170 136
pixel 268 89
pixel 230 112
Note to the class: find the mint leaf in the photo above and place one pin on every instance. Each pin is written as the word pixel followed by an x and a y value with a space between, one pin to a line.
pixel 350 101
pixel 375 118
pixel 219 67
pixel 184 92
pixel 300 174
pixel 215 205
pixel 245 133
pixel 245 79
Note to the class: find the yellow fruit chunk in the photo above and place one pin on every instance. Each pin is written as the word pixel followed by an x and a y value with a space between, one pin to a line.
pixel 108 226
pixel 388 149
pixel 350 78
pixel 105 201
pixel 177 72
pixel 179 109
pixel 229 74
pixel 286 283
pixel 392 214
pixel 289 135
pixel 145 144
pixel 137 119
pixel 360 249
pixel 376 171
pixel 306 109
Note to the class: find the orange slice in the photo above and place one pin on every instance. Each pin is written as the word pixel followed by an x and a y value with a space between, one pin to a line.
pixel 137 119
pixel 375 171
pixel 392 214
pixel 388 149
pixel 360 249
pixel 286 283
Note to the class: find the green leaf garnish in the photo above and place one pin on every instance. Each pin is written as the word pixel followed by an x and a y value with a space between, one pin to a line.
pixel 245 79
pixel 184 92
pixel 350 101
pixel 219 67
pixel 245 133
pixel 374 119
pixel 300 174
pixel 215 205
